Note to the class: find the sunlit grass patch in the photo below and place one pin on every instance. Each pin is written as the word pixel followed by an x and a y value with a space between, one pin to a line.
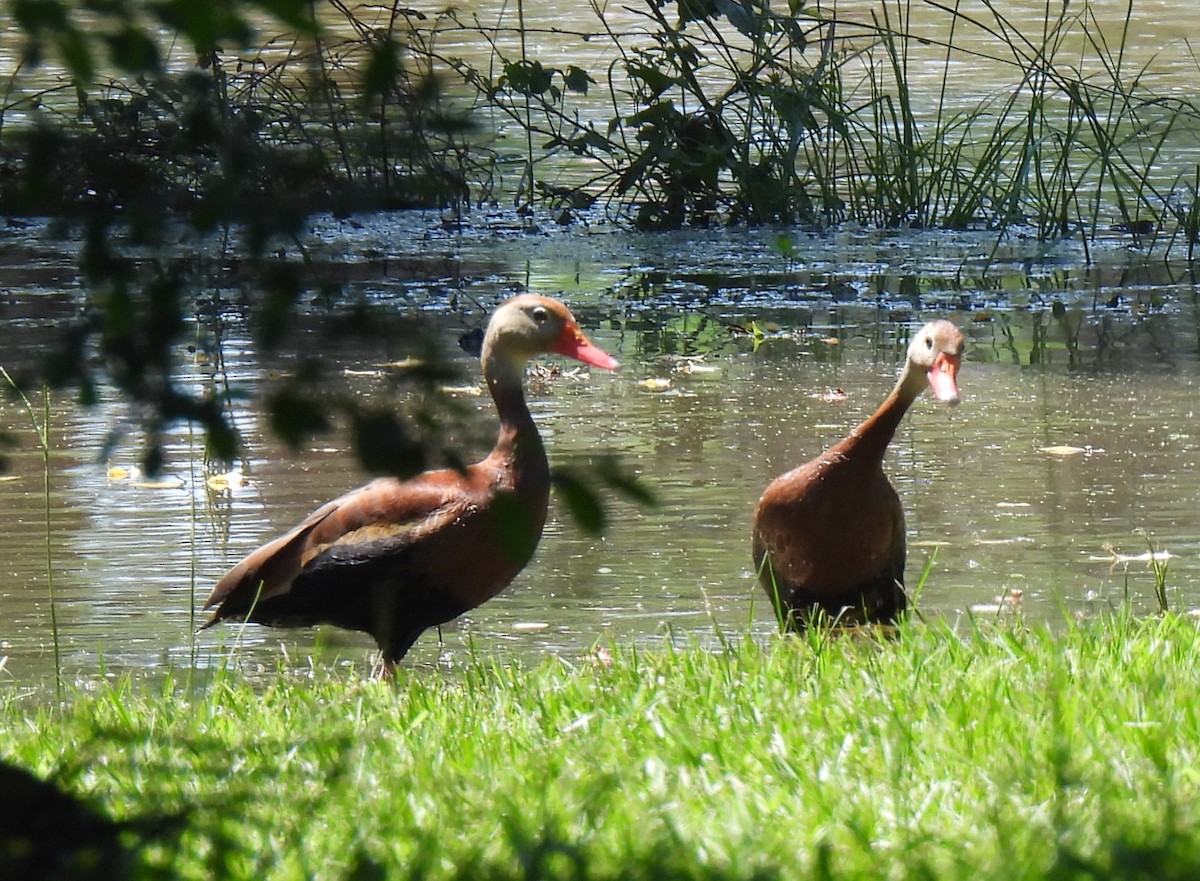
pixel 986 751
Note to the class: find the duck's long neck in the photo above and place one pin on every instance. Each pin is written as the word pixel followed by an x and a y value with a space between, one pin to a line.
pixel 518 438
pixel 871 438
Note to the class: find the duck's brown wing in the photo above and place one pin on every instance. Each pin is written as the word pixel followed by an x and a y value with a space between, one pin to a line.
pixel 384 510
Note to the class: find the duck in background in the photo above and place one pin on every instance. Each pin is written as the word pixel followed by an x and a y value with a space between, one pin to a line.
pixel 828 537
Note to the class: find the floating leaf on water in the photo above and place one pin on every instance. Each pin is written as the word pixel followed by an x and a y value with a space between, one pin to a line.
pixel 119 472
pixel 1063 450
pixel 1013 505
pixel 656 383
pixel 473 390
pixel 530 626
pixel 9 478
pixel 227 482
pixel 351 372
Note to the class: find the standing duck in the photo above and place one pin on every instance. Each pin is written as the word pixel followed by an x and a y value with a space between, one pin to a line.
pixel 394 558
pixel 829 535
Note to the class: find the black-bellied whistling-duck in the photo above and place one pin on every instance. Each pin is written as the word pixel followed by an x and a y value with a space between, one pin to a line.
pixel 829 535
pixel 394 558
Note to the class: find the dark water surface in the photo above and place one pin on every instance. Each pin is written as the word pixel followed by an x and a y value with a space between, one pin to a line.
pixel 1077 437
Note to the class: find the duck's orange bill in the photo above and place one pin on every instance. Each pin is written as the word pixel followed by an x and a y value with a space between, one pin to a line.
pixel 575 345
pixel 942 378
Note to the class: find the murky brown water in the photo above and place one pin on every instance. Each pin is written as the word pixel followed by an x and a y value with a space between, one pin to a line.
pixel 704 415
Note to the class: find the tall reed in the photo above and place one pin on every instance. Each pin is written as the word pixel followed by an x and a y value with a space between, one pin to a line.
pixel 741 112
pixel 41 429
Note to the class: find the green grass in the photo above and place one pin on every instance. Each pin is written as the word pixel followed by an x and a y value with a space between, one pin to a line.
pixel 991 751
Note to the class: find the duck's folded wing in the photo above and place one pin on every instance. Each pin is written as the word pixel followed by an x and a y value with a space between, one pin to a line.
pixel 383 509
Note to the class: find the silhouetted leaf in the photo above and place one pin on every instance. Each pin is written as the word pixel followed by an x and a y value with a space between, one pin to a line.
pixel 655 81
pixel 152 459
pixel 206 25
pixel 513 525
pixel 384 445
pixel 577 79
pixel 294 417
pixel 297 13
pixel 382 69
pixel 471 342
pixel 282 286
pixel 73 48
pixel 528 77
pixel 609 471
pixel 582 501
pixel 132 50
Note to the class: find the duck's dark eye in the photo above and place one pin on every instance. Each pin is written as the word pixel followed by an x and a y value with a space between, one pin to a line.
pixel 929 342
pixel 540 314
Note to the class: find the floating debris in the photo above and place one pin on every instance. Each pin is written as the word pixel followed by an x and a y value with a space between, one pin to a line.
pixel 117 473
pixel 1005 602
pixel 408 363
pixel 530 626
pixel 1013 505
pixel 831 396
pixel 473 390
pixel 163 482
pixel 1114 558
pixel 696 366
pixel 133 476
pixel 1065 451
pixel 227 482
pixel 549 372
pixel 656 384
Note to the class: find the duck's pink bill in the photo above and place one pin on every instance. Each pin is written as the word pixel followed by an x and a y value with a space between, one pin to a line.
pixel 576 345
pixel 942 380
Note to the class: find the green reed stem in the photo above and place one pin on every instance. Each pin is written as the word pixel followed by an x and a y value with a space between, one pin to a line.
pixel 1158 565
pixel 42 430
pixel 192 568
pixel 529 177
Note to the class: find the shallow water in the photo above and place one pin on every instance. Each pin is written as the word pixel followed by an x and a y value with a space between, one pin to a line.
pixel 1076 439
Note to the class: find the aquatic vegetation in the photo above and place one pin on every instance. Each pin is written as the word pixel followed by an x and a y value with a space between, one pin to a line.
pixel 704 113
pixel 743 113
pixel 737 112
